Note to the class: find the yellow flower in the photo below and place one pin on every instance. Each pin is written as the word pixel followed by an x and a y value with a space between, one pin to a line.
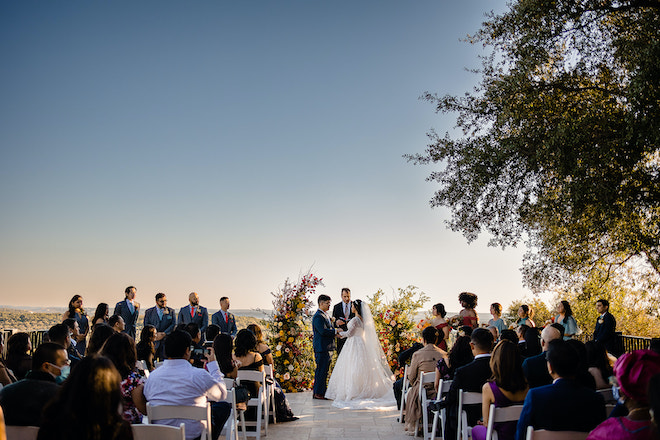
pixel 278 353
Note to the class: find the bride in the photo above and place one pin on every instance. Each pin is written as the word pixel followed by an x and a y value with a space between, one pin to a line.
pixel 361 379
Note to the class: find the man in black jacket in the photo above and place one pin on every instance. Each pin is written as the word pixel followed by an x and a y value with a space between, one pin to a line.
pixel 605 327
pixel 342 313
pixel 23 401
pixel 470 377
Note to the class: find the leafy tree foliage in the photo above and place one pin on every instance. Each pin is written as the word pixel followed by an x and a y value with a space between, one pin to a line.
pixel 558 145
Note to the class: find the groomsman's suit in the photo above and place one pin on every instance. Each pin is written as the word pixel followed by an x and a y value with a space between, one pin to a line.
pixel 165 324
pixel 227 323
pixel 324 343
pixel 339 312
pixel 123 309
pixel 605 331
pixel 199 317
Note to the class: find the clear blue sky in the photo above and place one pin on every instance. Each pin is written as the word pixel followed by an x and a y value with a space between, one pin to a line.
pixel 221 147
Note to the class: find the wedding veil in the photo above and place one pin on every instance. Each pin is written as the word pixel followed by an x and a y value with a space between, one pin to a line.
pixel 371 342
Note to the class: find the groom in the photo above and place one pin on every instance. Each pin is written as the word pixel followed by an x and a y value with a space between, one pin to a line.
pixel 324 343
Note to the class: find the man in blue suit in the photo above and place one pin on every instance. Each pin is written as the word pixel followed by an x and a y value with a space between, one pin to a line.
pixel 194 313
pixel 163 318
pixel 225 320
pixel 564 405
pixel 604 332
pixel 129 310
pixel 535 368
pixel 324 343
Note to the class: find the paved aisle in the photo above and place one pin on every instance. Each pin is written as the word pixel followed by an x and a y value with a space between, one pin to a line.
pixel 319 420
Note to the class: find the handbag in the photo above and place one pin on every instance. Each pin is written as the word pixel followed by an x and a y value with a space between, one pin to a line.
pixel 241 392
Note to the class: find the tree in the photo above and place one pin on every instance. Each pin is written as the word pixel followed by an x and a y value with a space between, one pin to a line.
pixel 558 144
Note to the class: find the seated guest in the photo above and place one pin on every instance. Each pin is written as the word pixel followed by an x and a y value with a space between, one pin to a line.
pixel 654 401
pixel 459 355
pixel 88 405
pixel 117 323
pixel 532 342
pixel 633 373
pixel 177 382
pixel 282 409
pixel 146 348
pixel 509 335
pixel 583 376
pixel 19 360
pixel 211 332
pixel 506 387
pixel 24 401
pixel 423 361
pixel 535 367
pixel 61 334
pixel 100 333
pixel 6 376
pixel 223 346
pixel 197 357
pixel 76 343
pixel 598 364
pixel 564 405
pixel 247 356
pixel 120 349
pixel 470 377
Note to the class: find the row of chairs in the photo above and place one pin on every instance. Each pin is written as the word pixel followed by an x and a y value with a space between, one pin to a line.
pixel 496 415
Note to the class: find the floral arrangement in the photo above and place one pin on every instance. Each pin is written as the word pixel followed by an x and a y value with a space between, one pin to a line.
pixel 290 332
pixel 395 322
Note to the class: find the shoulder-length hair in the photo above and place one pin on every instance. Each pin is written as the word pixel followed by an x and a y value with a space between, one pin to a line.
pixel 506 365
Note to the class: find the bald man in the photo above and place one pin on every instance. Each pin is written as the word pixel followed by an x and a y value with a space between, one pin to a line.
pixel 536 367
pixel 194 313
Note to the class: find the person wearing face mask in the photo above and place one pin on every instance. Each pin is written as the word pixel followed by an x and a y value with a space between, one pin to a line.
pixel 61 334
pixel 23 401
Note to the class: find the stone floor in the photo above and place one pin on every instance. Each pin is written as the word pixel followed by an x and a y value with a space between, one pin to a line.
pixel 319 420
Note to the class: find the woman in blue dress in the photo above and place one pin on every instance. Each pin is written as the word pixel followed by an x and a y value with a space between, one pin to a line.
pixel 565 317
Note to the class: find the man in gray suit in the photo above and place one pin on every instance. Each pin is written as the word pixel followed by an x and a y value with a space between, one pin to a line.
pixel 163 318
pixel 129 310
pixel 194 313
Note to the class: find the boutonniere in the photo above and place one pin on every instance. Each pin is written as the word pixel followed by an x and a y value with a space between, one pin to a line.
pixel 333 319
pixel 166 311
pixel 199 313
pixel 136 305
pixel 600 320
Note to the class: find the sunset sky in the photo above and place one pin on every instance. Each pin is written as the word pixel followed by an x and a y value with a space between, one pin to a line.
pixel 221 147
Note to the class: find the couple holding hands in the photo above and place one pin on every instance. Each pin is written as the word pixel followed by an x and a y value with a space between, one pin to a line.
pixel 362 378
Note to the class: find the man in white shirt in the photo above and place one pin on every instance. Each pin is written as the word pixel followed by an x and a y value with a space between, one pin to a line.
pixel 177 382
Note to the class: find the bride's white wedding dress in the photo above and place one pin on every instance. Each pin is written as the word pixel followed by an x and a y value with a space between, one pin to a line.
pixel 361 378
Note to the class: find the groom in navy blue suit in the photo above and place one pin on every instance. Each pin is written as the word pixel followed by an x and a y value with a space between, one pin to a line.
pixel 324 343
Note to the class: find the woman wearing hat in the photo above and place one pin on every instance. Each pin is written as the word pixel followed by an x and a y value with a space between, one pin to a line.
pixel 633 372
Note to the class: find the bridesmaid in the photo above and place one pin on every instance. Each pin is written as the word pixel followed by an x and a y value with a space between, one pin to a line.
pixel 439 322
pixel 467 316
pixel 77 312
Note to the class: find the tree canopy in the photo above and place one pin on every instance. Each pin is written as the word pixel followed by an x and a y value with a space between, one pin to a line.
pixel 557 146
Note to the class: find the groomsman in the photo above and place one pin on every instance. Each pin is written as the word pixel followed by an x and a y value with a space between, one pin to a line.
pixel 194 313
pixel 225 320
pixel 342 312
pixel 129 310
pixel 604 332
pixel 163 318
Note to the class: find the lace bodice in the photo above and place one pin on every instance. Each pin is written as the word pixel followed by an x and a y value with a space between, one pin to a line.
pixel 355 328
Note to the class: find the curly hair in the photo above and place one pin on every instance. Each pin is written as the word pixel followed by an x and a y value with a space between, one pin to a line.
pixel 469 298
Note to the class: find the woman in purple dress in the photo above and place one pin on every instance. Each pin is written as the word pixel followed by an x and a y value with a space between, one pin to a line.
pixel 506 387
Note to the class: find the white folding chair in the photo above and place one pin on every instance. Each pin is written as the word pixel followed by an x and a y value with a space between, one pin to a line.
pixel 270 375
pixel 260 402
pixel 465 398
pixel 142 366
pixel 21 432
pixel 425 378
pixel 158 432
pixel 543 434
pixel 443 388
pixel 200 413
pixel 404 392
pixel 499 415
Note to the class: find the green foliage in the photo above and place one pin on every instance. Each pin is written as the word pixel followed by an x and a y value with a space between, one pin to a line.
pixel 540 311
pixel 559 144
pixel 395 321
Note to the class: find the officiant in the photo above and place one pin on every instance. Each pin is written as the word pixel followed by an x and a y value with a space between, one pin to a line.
pixel 341 314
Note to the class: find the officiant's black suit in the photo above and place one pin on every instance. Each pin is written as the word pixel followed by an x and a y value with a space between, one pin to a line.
pixel 338 313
